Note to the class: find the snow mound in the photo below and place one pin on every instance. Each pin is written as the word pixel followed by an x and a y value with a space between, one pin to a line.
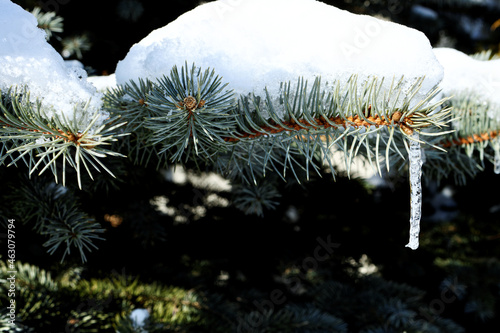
pixel 464 74
pixel 254 44
pixel 26 59
pixel 103 82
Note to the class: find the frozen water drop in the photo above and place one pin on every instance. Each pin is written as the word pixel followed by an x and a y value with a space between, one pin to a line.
pixel 415 158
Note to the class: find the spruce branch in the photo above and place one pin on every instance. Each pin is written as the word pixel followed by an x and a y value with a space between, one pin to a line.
pixel 475 139
pixel 176 118
pixel 342 107
pixel 70 228
pixel 55 214
pixel 308 122
pixel 255 198
pixel 170 307
pixel 486 55
pixel 295 318
pixel 28 134
pixel 193 113
pixel 37 292
pixel 36 199
pixel 190 116
pixel 75 45
pixel 7 327
pixel 48 21
pixel 475 124
pixel 129 101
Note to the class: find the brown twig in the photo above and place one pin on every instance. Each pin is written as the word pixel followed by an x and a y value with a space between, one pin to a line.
pixel 354 121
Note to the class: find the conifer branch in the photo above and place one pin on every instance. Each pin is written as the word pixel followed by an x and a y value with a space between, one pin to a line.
pixel 48 21
pixel 55 214
pixel 190 116
pixel 192 113
pixel 256 198
pixel 474 140
pixel 308 123
pixel 474 123
pixel 129 102
pixel 42 142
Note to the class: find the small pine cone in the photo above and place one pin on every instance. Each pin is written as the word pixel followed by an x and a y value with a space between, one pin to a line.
pixel 190 103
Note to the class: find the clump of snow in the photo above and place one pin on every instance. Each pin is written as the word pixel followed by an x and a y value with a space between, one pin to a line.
pixel 26 59
pixel 464 74
pixel 139 317
pixel 103 82
pixel 254 44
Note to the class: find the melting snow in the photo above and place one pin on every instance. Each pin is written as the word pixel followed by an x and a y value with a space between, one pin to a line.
pixel 257 43
pixel 464 74
pixel 26 59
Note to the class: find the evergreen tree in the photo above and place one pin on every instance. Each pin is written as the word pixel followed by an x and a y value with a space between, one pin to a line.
pixel 77 199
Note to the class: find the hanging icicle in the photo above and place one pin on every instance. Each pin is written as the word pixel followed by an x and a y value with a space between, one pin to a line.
pixel 496 149
pixel 415 158
pixel 497 163
pixel 495 144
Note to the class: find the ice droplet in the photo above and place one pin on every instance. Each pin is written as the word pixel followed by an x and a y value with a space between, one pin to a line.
pixel 415 158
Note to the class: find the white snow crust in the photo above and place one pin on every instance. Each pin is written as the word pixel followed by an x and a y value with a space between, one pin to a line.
pixel 27 59
pixel 254 44
pixel 103 82
pixel 464 74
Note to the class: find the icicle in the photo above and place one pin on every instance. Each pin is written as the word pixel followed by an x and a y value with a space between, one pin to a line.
pixel 415 158
pixel 497 162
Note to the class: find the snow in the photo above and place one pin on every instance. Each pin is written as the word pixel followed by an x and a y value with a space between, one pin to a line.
pixel 138 317
pixel 254 44
pixel 103 82
pixel 465 74
pixel 415 158
pixel 26 59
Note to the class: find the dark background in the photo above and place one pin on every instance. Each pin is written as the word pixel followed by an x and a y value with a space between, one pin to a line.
pixel 457 23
